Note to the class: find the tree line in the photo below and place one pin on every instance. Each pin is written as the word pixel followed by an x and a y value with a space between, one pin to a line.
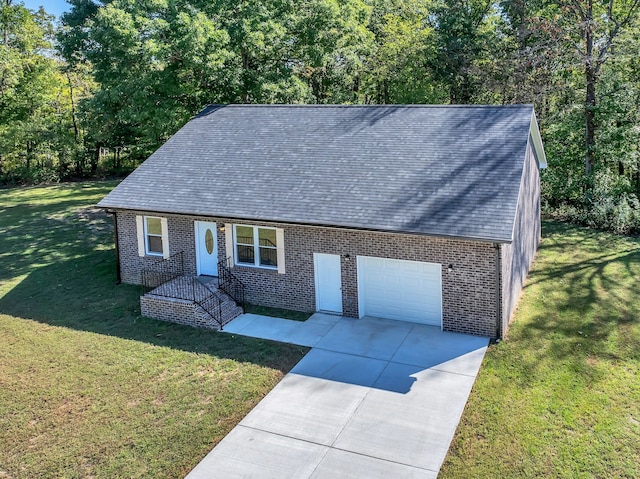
pixel 99 89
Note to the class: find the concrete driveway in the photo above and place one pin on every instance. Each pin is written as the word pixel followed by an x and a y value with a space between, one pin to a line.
pixel 374 398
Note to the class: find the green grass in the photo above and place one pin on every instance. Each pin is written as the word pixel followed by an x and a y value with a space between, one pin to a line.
pixel 88 388
pixel 277 312
pixel 561 397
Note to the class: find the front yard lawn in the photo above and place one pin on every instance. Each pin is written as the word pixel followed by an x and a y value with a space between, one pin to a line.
pixel 88 388
pixel 561 397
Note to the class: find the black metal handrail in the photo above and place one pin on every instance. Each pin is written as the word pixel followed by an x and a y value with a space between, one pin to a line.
pixel 162 271
pixel 230 284
pixel 188 288
pixel 212 305
pixel 170 285
pixel 166 278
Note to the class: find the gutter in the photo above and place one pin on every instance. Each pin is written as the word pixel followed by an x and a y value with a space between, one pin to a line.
pixel 309 225
pixel 498 248
pixel 117 245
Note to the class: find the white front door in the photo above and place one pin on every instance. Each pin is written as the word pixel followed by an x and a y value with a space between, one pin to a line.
pixel 328 282
pixel 206 248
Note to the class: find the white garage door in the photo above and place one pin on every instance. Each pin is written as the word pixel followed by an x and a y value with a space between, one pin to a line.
pixel 397 289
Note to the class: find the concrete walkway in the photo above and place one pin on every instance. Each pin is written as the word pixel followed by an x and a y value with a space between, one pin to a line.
pixel 374 398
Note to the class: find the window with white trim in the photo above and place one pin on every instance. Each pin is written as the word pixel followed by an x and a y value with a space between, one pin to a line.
pixel 256 246
pixel 153 236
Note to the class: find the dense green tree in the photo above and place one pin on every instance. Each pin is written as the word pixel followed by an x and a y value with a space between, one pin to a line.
pixel 156 63
pixel 131 72
pixel 261 59
pixel 33 128
pixel 73 37
pixel 591 29
pixel 404 41
pixel 333 44
pixel 460 45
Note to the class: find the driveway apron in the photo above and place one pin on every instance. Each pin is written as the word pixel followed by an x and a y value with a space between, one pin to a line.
pixel 374 398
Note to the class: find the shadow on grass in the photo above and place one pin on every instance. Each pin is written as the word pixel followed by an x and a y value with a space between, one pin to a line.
pixel 52 240
pixel 40 235
pixel 581 300
pixel 40 225
pixel 81 294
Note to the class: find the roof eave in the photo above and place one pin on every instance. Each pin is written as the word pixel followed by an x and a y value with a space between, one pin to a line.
pixel 484 239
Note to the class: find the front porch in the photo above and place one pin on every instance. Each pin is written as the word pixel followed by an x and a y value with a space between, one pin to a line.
pixel 200 301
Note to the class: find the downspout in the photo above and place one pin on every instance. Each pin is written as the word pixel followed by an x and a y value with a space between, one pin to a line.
pixel 498 248
pixel 115 231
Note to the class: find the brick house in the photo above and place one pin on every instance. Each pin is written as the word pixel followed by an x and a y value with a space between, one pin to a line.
pixel 425 213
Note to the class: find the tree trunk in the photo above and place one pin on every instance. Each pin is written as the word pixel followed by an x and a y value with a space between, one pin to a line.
pixel 383 92
pixel 96 159
pixel 590 71
pixel 79 163
pixel 76 133
pixel 29 150
pixel 589 117
pixel 356 88
pixel 245 69
pixel 5 33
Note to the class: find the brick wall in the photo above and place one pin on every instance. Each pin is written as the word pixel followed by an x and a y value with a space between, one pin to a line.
pixel 468 291
pixel 181 238
pixel 185 312
pixel 175 311
pixel 518 256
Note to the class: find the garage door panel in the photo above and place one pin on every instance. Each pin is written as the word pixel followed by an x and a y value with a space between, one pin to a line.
pixel 412 298
pixel 398 289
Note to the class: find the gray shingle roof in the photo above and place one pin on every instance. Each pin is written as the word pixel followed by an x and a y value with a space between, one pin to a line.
pixel 437 170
